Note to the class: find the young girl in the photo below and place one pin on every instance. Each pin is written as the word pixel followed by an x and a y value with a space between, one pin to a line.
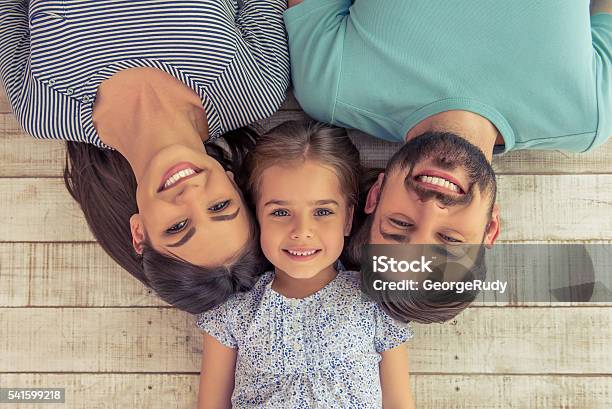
pixel 304 337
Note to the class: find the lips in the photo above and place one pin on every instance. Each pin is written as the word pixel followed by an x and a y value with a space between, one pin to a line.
pixel 439 181
pixel 177 174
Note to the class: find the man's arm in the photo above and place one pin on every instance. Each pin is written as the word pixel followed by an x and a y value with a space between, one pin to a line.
pixel 601 6
pixel 395 379
pixel 216 375
pixel 294 2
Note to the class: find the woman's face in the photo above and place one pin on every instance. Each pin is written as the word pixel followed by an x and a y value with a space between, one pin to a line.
pixel 190 208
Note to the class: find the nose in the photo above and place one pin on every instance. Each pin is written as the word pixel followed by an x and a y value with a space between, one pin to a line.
pixel 430 202
pixel 187 192
pixel 302 229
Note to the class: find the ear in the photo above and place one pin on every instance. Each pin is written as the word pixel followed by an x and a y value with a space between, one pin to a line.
pixel 138 233
pixel 493 228
pixel 230 175
pixel 349 221
pixel 374 195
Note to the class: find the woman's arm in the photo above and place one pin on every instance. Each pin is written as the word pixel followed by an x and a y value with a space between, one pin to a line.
pixel 14 43
pixel 395 379
pixel 216 375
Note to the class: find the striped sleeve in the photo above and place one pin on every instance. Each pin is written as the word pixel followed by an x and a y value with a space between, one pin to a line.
pixel 263 30
pixel 15 44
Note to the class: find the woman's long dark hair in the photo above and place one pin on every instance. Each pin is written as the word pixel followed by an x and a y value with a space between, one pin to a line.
pixel 103 184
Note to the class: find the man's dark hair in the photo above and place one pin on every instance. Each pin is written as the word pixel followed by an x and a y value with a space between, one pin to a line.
pixel 430 306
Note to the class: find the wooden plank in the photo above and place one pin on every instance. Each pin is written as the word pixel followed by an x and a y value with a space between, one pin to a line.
pixel 67 274
pixel 82 275
pixel 550 274
pixel 376 153
pixel 24 156
pixel 106 391
pixel 517 392
pixel 40 210
pixel 542 207
pixel 153 391
pixel 4 104
pixel 163 340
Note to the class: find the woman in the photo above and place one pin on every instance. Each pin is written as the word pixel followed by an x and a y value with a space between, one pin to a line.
pixel 152 80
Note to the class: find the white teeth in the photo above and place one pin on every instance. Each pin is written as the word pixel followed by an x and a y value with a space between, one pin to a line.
pixel 178 176
pixel 302 253
pixel 440 182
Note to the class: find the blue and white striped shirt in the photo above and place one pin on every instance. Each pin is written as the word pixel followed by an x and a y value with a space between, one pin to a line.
pixel 55 54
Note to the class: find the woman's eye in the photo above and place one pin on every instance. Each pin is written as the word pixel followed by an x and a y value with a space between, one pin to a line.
pixel 400 223
pixel 175 228
pixel 280 213
pixel 217 207
pixel 449 239
pixel 323 212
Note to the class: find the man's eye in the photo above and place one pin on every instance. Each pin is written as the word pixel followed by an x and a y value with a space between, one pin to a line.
pixel 323 212
pixel 175 228
pixel 449 239
pixel 279 213
pixel 400 223
pixel 217 207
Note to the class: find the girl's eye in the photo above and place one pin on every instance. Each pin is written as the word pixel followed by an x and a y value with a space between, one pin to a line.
pixel 323 212
pixel 280 213
pixel 449 239
pixel 175 228
pixel 217 207
pixel 400 223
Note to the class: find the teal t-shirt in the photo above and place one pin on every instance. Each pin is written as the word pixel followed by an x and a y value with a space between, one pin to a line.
pixel 540 71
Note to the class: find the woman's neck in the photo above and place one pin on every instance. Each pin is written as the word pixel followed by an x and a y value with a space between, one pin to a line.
pixel 140 111
pixel 302 287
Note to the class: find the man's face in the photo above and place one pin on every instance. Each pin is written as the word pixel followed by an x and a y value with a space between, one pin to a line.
pixel 440 192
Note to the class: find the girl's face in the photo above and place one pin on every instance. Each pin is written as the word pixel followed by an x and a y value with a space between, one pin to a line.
pixel 303 217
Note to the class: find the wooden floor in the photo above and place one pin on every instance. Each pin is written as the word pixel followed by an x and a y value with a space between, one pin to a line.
pixel 69 317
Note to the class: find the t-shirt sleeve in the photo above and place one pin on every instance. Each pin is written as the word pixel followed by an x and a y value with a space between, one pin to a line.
pixel 14 46
pixel 389 332
pixel 218 324
pixel 263 30
pixel 601 31
pixel 315 30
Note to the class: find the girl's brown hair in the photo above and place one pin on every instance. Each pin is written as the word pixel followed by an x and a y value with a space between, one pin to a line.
pixel 301 141
pixel 103 184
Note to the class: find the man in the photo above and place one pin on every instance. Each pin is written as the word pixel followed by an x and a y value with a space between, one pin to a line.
pixel 498 75
pixel 457 81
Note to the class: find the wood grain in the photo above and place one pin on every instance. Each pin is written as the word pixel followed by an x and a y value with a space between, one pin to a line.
pixel 179 391
pixel 4 104
pixel 24 156
pixel 67 274
pixel 163 340
pixel 540 207
pixel 82 275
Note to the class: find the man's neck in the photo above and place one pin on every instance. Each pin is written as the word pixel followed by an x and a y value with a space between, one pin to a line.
pixel 474 128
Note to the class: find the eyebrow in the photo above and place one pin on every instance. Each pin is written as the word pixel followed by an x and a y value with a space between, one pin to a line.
pixel 400 238
pixel 192 231
pixel 225 217
pixel 184 239
pixel 317 203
